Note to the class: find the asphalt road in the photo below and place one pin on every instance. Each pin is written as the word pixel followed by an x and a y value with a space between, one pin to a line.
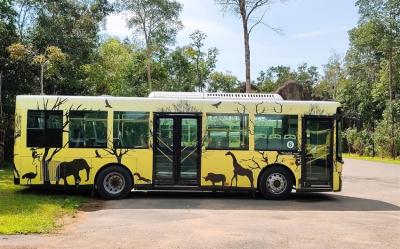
pixel 366 214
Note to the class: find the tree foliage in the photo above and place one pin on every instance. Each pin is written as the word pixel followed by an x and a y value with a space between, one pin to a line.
pixel 156 22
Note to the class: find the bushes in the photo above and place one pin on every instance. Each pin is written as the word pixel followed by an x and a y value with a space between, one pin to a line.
pixel 359 142
pixel 387 133
pixel 384 142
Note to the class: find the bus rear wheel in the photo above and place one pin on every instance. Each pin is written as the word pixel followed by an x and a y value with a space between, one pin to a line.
pixel 114 182
pixel 275 183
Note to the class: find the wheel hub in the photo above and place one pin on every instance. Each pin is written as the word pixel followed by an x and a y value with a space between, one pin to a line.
pixel 114 183
pixel 276 183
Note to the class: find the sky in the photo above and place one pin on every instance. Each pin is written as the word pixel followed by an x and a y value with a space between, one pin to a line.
pixel 312 31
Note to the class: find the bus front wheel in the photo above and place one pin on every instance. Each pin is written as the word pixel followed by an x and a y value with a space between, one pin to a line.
pixel 114 182
pixel 275 183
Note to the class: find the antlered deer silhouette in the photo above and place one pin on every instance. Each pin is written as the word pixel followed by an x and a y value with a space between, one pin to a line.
pixel 214 178
pixel 140 178
pixel 72 168
pixel 239 170
pixel 30 176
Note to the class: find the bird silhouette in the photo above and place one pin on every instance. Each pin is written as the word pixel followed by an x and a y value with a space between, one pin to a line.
pixel 30 176
pixel 108 104
pixel 97 154
pixel 216 105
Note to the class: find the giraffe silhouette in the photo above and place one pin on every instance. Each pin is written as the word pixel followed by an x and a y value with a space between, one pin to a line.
pixel 238 170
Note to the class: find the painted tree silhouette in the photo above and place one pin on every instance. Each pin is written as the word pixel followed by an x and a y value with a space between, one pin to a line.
pixel 49 153
pixel 115 150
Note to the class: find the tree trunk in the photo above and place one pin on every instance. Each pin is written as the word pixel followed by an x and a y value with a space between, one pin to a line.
pixel 149 65
pixel 246 36
pixel 2 124
pixel 41 79
pixel 45 167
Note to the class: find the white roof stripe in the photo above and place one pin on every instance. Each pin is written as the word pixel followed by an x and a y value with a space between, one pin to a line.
pixel 199 95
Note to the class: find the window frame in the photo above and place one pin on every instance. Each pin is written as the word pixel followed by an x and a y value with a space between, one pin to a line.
pixel 148 130
pixel 87 147
pixel 339 139
pixel 295 149
pixel 247 148
pixel 46 115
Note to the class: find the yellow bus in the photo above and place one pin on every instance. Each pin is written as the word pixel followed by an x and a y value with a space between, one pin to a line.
pixel 174 140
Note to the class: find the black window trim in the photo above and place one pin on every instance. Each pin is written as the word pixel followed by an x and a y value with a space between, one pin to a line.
pixel 46 114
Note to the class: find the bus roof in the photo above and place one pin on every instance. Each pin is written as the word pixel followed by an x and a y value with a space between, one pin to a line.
pixel 203 97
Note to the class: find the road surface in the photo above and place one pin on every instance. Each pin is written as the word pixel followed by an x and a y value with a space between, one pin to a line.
pixel 366 214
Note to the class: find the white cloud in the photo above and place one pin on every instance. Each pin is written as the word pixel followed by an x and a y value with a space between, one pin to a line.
pixel 317 33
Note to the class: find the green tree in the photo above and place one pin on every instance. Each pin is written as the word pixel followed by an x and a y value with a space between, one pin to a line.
pixel 384 15
pixel 204 61
pixel 8 35
pixel 386 143
pixel 181 72
pixel 51 58
pixel 223 82
pixel 72 26
pixel 156 22
pixel 274 77
pixel 334 76
pixel 118 70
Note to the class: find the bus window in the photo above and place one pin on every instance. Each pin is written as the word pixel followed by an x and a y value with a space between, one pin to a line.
pixel 88 129
pixel 131 129
pixel 44 129
pixel 275 132
pixel 227 131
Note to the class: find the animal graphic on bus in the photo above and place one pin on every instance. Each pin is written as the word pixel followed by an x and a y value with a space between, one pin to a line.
pixel 72 168
pixel 141 178
pixel 215 178
pixel 30 175
pixel 238 170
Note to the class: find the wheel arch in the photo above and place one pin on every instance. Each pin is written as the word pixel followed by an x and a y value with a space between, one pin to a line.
pixel 109 165
pixel 276 165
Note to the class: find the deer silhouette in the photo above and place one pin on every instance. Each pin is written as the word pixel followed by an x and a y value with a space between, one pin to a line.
pixel 30 176
pixel 238 170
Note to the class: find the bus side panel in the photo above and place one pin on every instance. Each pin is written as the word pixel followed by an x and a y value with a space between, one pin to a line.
pixel 225 167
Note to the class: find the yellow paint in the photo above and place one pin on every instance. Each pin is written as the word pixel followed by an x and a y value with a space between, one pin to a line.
pixel 141 160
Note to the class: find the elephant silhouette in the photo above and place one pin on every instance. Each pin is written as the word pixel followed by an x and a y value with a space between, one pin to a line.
pixel 72 168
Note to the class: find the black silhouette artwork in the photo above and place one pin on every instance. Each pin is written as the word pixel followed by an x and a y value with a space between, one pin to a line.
pixel 140 178
pixel 72 168
pixel 30 176
pixel 35 156
pixel 97 154
pixel 216 105
pixel 108 104
pixel 238 170
pixel 215 178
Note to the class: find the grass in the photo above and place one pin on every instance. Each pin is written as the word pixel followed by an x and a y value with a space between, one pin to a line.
pixel 369 158
pixel 23 210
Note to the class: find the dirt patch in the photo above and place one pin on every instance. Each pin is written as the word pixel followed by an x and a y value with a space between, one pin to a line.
pixel 91 205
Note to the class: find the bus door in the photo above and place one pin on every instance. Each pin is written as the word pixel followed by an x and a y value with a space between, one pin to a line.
pixel 177 149
pixel 317 153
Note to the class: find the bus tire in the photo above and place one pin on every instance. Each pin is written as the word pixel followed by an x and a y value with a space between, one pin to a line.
pixel 114 182
pixel 275 183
